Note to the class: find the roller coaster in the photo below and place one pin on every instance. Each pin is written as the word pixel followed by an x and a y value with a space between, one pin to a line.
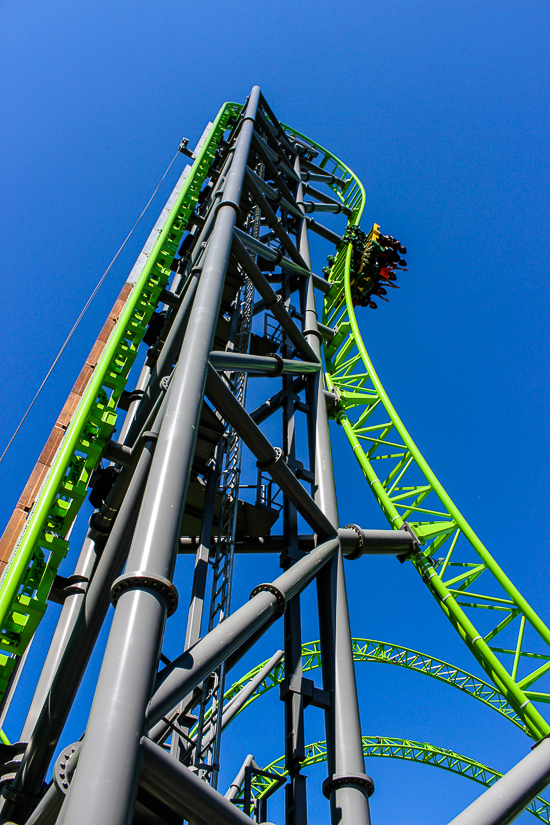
pixel 222 306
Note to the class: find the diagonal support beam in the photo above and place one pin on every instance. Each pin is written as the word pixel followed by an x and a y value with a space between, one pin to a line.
pixel 105 785
pixel 268 457
pixel 272 301
pixel 267 603
pixel 508 797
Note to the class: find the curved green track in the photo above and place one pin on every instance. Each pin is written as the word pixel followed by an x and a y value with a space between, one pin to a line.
pixel 506 636
pixel 371 650
pixel 409 750
pixel 43 542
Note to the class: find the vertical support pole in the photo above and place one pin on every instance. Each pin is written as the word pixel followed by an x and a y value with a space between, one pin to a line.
pixel 105 785
pixel 295 790
pixel 349 798
pixel 198 591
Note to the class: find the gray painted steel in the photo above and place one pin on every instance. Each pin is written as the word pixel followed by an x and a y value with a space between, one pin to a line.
pixel 53 715
pixel 177 491
pixel 187 671
pixel 133 649
pixel 342 722
pixel 184 792
pixel 510 795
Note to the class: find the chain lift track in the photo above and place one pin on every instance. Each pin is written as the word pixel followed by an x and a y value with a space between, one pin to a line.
pixel 224 293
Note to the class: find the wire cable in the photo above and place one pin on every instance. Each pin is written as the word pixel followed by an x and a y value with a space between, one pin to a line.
pixel 86 307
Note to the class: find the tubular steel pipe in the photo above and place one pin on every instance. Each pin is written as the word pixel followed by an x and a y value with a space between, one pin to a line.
pixel 68 617
pixel 235 787
pixel 251 544
pixel 182 791
pixel 266 364
pixel 272 163
pixel 345 761
pixel 266 604
pixel 273 221
pixel 259 248
pixel 276 125
pixel 332 208
pixel 267 455
pixel 105 785
pixel 165 360
pixel 510 795
pixel 273 195
pixel 324 232
pixel 321 196
pixel 312 170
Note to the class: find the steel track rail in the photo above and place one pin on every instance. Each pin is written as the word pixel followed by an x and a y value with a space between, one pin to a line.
pixel 372 650
pixel 410 751
pixel 462 575
pixel 87 423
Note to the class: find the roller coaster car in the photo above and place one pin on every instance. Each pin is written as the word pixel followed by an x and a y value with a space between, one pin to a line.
pixel 375 257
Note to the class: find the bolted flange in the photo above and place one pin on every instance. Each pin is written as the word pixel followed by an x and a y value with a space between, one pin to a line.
pixel 279 595
pixel 143 579
pixel 346 780
pixel 265 465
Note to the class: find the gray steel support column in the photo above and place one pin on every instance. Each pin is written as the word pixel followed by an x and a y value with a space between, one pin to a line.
pixel 266 604
pixel 507 798
pixel 198 591
pixel 295 790
pixel 72 665
pixel 105 785
pixel 165 360
pixel 349 802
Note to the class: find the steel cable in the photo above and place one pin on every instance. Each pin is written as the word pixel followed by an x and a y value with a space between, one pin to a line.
pixel 86 307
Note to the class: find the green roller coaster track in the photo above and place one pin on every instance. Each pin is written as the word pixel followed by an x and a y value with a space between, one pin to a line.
pixel 465 579
pixel 371 650
pixel 409 750
pixel 43 544
pixel 459 571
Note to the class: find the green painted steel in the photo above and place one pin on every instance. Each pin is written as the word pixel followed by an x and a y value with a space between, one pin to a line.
pixel 409 750
pixel 371 650
pixel 42 545
pixel 407 491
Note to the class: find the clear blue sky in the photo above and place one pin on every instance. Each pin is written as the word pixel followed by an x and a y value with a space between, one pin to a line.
pixel 442 111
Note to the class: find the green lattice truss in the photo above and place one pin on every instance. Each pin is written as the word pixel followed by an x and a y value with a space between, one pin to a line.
pixel 411 751
pixel 370 650
pixel 43 543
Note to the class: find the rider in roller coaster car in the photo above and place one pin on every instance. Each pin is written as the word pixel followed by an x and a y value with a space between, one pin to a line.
pixel 374 261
